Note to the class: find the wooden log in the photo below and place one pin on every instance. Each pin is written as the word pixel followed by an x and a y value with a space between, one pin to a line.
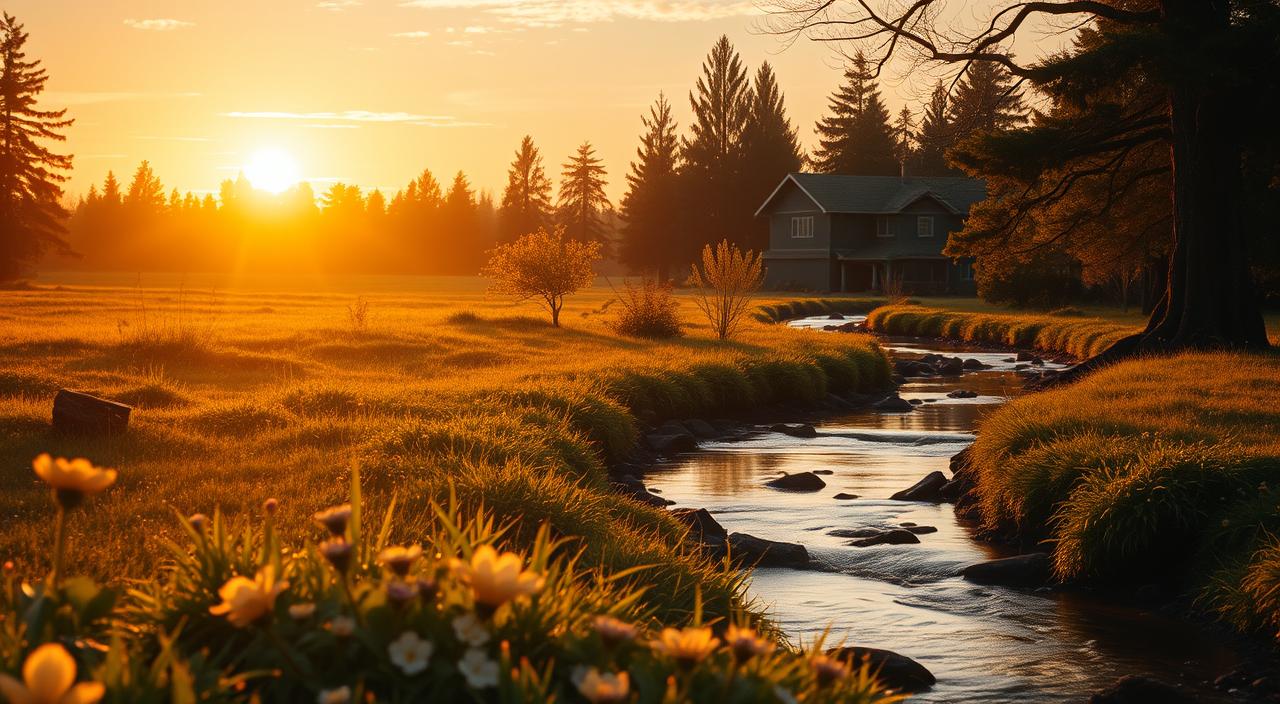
pixel 76 413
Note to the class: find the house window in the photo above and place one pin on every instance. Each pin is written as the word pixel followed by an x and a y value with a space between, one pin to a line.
pixel 884 227
pixel 924 226
pixel 966 271
pixel 802 228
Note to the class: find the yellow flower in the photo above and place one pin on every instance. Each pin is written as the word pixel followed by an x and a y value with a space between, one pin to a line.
pixel 78 475
pixel 746 643
pixel 496 579
pixel 688 647
pixel 246 600
pixel 602 687
pixel 400 559
pixel 49 676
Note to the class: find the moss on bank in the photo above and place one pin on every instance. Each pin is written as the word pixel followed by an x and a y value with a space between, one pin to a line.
pixel 1161 469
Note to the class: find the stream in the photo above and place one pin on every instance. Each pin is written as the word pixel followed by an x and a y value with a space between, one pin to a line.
pixel 983 643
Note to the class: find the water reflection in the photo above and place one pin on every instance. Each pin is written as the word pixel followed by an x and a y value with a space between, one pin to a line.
pixel 985 644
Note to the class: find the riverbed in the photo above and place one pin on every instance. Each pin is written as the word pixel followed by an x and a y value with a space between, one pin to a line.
pixel 984 644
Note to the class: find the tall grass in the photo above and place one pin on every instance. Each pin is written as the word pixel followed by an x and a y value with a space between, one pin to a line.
pixel 1160 469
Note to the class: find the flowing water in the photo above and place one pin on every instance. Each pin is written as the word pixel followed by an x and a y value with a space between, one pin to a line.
pixel 984 644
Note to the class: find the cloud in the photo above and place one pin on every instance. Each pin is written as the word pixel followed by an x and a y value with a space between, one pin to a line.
pixel 358 116
pixel 337 5
pixel 159 24
pixel 412 35
pixel 555 13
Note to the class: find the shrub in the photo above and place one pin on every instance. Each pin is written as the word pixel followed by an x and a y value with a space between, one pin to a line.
pixel 647 310
pixel 358 314
pixel 727 281
pixel 543 266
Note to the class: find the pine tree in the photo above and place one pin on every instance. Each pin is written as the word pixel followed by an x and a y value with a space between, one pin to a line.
pixel 111 190
pixel 376 204
pixel 146 193
pixel 31 214
pixel 771 151
pixel 650 228
pixel 936 135
pixel 713 153
pixel 904 135
pixel 986 100
pixel 460 221
pixel 856 137
pixel 583 204
pixel 526 202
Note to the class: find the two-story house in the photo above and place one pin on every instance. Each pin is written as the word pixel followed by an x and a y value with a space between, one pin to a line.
pixel 830 232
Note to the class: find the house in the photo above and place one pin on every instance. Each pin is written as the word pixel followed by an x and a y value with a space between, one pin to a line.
pixel 831 232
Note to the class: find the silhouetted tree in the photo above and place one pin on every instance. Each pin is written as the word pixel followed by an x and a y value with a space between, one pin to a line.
pixel 713 152
pixel 31 214
pixel 986 99
pixel 146 193
pixel 111 190
pixel 526 202
pixel 1215 105
pixel 855 138
pixel 651 225
pixel 904 137
pixel 935 136
pixel 583 204
pixel 460 220
pixel 771 151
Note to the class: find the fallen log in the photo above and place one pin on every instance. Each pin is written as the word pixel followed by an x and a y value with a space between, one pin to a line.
pixel 76 413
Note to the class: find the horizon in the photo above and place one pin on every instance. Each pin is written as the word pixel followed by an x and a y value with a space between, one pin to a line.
pixel 206 115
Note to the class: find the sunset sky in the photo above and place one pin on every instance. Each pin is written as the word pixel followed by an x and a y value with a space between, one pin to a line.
pixel 371 91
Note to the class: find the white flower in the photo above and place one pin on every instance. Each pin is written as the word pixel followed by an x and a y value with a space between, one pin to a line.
pixel 342 626
pixel 470 630
pixel 302 612
pixel 479 670
pixel 410 653
pixel 341 695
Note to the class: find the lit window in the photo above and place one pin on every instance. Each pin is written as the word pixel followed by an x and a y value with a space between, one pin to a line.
pixel 802 228
pixel 924 226
pixel 884 227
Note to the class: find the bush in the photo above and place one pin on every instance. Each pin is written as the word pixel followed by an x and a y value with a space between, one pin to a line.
pixel 725 284
pixel 647 310
pixel 1047 280
pixel 543 266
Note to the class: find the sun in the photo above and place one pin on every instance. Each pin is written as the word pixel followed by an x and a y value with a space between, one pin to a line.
pixel 272 170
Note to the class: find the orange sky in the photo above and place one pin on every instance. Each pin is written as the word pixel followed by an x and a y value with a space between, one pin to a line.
pixel 371 91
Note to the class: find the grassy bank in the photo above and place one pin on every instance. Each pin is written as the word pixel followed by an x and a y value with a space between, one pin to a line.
pixel 247 394
pixel 1071 332
pixel 1158 470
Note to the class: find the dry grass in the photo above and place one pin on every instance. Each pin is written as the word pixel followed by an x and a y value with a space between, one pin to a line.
pixel 1151 470
pixel 441 387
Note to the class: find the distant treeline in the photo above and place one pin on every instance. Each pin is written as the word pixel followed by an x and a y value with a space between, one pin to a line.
pixel 683 190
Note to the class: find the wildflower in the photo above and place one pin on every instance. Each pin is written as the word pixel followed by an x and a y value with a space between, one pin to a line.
pixel 828 669
pixel 400 559
pixel 410 653
pixel 301 612
pixel 745 643
pixel 72 480
pixel 342 626
pixel 270 506
pixel 496 579
pixel 601 687
pixel 612 631
pixel 198 521
pixel 338 553
pixel 246 600
pixel 335 519
pixel 341 695
pixel 687 647
pixel 49 677
pixel 470 630
pixel 479 669
pixel 399 593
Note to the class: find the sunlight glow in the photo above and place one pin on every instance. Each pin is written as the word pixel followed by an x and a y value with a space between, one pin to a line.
pixel 272 170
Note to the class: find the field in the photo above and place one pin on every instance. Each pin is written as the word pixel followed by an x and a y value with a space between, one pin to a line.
pixel 268 389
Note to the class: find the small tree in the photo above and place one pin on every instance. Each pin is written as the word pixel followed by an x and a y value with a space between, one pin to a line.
pixel 728 279
pixel 542 265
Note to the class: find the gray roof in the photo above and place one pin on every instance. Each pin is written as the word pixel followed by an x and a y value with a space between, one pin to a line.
pixel 882 195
